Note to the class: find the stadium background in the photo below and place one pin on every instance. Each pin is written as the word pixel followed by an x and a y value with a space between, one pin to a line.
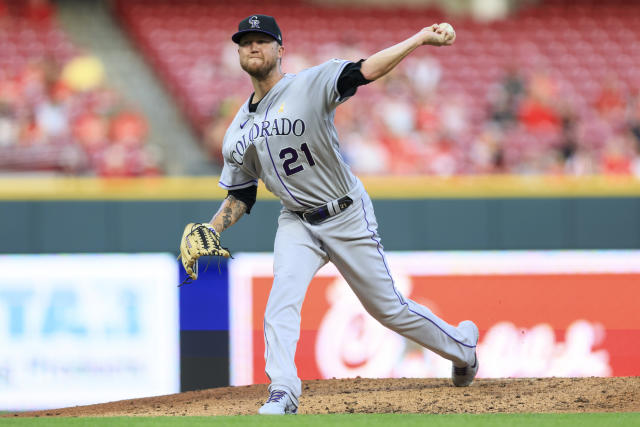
pixel 523 136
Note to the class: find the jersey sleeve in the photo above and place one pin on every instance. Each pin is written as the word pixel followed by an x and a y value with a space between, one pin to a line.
pixel 323 79
pixel 350 79
pixel 245 195
pixel 234 178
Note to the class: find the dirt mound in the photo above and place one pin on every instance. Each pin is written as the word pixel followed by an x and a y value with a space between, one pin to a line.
pixel 429 396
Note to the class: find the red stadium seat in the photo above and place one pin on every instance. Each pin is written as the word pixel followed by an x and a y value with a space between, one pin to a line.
pixel 564 36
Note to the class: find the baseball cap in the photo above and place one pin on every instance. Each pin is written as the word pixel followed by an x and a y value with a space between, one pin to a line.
pixel 258 24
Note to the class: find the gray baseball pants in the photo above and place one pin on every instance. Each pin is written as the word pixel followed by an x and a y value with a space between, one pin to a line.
pixel 350 241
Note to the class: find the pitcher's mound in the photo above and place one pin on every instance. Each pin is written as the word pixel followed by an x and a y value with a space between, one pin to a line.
pixel 408 395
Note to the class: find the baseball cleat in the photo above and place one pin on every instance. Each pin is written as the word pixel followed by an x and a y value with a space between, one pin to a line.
pixel 279 403
pixel 463 376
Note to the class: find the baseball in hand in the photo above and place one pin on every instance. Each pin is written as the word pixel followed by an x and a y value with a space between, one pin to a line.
pixel 450 33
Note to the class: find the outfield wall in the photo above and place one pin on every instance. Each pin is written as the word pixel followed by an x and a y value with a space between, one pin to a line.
pixel 408 224
pixel 88 215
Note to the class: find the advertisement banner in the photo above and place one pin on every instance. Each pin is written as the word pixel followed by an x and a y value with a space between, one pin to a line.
pixel 540 313
pixel 81 329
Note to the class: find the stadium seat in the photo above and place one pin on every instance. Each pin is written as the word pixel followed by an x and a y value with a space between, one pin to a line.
pixel 570 38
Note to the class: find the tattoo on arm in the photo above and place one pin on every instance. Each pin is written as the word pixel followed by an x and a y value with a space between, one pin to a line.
pixel 229 213
pixel 226 216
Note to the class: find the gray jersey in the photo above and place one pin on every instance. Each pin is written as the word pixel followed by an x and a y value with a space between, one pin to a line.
pixel 291 142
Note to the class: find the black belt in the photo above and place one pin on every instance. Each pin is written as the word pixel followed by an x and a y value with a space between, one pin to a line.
pixel 319 214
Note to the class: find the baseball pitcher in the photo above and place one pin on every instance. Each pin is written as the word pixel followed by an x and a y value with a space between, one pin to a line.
pixel 284 135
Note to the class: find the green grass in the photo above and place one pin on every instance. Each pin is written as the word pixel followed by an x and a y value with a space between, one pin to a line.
pixel 384 420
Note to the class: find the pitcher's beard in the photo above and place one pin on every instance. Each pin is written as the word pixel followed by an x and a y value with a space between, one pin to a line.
pixel 259 72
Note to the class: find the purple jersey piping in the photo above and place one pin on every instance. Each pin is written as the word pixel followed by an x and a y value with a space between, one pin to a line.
pixel 392 282
pixel 253 181
pixel 275 169
pixel 266 347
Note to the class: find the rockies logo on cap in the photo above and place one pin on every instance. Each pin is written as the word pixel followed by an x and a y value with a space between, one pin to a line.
pixel 254 22
pixel 258 23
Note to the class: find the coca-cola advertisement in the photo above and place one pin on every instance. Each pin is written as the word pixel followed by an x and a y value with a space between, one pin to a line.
pixel 540 314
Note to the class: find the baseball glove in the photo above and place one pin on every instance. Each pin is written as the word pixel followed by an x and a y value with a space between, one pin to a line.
pixel 199 240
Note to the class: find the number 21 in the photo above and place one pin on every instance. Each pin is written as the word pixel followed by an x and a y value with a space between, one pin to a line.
pixel 290 156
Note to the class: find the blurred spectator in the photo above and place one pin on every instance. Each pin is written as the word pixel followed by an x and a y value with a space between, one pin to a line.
pixel 428 119
pixel 572 158
pixel 487 153
pixel 454 116
pixel 9 129
pixel 30 133
pixel 365 153
pixel 128 128
pixel 581 163
pixel 83 128
pixel 635 162
pixel 537 111
pixel 119 161
pixel 83 73
pixel 424 72
pixel 633 117
pixel 568 144
pixel 610 103
pixel 505 97
pixel 444 159
pixel 361 147
pixel 398 116
pixel 514 83
pixel 214 133
pixel 616 159
pixel 91 132
pixel 52 114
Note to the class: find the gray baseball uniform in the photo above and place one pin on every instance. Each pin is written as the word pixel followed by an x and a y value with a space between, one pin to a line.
pixel 291 143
